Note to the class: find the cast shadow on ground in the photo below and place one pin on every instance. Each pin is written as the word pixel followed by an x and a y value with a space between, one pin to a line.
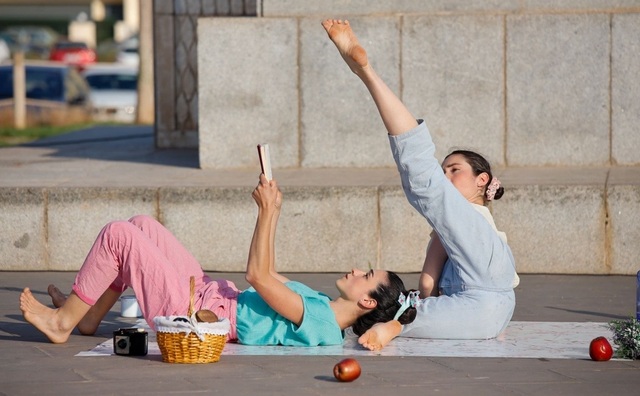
pixel 21 330
pixel 125 143
pixel 592 313
pixel 21 289
pixel 325 378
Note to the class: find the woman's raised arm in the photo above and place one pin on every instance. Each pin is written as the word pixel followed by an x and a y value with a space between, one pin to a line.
pixel 260 265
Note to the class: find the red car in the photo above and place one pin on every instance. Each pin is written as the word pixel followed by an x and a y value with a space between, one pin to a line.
pixel 73 53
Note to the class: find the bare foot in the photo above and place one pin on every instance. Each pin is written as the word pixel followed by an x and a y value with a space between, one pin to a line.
pixel 57 297
pixel 43 318
pixel 347 43
pixel 378 336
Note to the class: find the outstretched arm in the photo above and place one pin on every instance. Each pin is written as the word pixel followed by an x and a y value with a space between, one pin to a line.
pixel 395 115
pixel 260 266
pixel 272 244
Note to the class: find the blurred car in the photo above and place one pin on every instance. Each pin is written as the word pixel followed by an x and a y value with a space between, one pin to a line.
pixel 114 91
pixel 128 51
pixel 73 53
pixel 56 94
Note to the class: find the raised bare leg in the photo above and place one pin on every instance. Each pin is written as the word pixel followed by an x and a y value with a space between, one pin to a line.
pixel 58 323
pixel 88 325
pixel 396 117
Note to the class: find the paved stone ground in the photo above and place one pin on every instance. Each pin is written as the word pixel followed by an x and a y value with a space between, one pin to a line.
pixel 31 365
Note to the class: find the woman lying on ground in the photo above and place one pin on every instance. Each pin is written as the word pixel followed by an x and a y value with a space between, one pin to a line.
pixel 144 255
pixel 468 258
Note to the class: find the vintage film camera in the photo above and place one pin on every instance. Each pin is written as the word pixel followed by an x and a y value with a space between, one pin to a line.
pixel 130 342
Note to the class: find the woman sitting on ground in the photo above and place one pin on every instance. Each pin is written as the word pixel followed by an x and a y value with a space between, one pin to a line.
pixel 472 264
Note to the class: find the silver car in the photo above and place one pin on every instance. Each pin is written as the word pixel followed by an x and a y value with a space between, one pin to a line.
pixel 113 91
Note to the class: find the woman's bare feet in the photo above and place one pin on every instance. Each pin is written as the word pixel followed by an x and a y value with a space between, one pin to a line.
pixel 57 297
pixel 43 318
pixel 347 43
pixel 378 336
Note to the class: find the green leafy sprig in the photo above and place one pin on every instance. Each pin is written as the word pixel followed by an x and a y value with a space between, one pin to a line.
pixel 626 336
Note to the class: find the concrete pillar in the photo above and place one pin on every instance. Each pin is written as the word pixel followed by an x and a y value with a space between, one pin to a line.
pixel 19 91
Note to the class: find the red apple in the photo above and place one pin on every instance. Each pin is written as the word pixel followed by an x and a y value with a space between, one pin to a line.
pixel 347 370
pixel 600 350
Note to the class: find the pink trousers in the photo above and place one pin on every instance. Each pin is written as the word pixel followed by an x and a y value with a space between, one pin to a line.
pixel 142 254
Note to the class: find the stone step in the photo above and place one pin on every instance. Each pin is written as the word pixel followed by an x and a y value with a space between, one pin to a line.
pixel 558 220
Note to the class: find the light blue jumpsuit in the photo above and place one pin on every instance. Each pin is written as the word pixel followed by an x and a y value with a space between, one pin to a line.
pixel 477 299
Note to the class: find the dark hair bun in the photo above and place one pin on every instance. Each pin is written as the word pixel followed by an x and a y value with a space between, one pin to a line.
pixel 499 193
pixel 408 316
pixel 410 313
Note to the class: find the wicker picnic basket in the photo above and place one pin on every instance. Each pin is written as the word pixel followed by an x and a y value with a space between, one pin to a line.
pixel 185 341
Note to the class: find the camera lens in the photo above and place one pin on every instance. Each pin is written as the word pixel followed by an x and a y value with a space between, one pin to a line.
pixel 122 344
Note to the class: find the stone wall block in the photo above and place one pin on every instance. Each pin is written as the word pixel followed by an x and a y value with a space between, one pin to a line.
pixel 555 229
pixel 625 87
pixel 624 216
pixel 340 123
pixel 453 75
pixel 23 245
pixel 558 90
pixel 240 108
pixel 623 209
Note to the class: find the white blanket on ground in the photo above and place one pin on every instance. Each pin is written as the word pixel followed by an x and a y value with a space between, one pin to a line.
pixel 541 340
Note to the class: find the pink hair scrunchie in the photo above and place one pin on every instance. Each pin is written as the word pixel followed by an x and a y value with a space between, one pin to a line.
pixel 492 188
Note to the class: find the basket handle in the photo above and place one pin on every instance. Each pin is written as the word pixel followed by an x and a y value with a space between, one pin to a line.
pixel 192 290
